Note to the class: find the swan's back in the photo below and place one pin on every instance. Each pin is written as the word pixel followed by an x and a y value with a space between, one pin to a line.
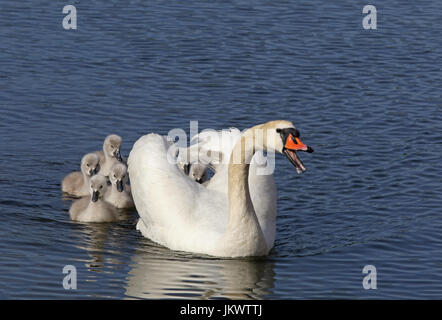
pixel 176 211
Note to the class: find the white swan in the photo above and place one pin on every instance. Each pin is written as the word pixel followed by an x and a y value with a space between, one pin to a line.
pixel 184 215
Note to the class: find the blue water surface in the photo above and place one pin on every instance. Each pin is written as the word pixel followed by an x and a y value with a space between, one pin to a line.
pixel 368 101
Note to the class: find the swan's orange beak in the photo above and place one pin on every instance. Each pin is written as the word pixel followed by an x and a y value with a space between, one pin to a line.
pixel 293 144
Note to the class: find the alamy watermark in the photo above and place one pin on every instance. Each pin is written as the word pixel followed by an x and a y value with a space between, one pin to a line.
pixel 370 20
pixel 70 280
pixel 70 20
pixel 221 147
pixel 370 280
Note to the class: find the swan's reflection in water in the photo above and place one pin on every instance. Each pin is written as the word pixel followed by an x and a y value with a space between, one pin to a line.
pixel 155 272
pixel 159 273
pixel 105 242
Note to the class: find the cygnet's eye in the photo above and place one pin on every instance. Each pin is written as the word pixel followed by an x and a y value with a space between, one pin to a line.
pixel 87 164
pixel 101 187
pixel 112 146
pixel 115 176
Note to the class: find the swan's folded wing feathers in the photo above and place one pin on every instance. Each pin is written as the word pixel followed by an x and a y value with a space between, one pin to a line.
pixel 175 210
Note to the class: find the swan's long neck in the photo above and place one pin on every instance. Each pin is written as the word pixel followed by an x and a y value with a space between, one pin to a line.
pixel 243 230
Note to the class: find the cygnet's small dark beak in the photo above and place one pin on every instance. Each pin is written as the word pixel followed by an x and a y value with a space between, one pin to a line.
pixel 120 186
pixel 95 196
pixel 97 168
pixel 186 168
pixel 117 155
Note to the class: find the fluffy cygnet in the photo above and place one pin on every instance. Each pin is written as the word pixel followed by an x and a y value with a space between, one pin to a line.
pixel 119 194
pixel 198 172
pixel 95 208
pixel 111 154
pixel 77 183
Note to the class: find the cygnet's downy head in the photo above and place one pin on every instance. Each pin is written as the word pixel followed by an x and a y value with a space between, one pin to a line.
pixel 118 176
pixel 198 172
pixel 112 146
pixel 90 164
pixel 184 167
pixel 98 186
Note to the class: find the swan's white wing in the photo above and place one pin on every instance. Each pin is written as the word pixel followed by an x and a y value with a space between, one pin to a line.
pixel 175 211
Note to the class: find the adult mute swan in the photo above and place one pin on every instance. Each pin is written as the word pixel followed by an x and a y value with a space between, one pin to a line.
pixel 183 215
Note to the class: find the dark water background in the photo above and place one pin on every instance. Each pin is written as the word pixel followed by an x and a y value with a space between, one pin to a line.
pixel 368 101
